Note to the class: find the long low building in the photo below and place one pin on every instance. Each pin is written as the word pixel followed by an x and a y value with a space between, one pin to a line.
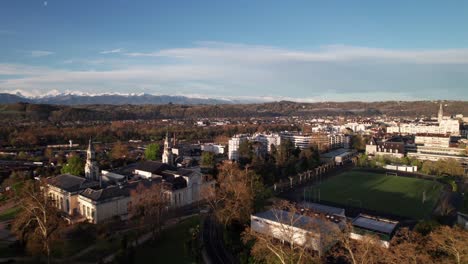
pixel 311 232
pixel 339 156
pixel 383 228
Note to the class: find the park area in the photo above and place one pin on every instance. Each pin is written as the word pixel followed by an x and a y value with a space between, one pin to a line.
pixel 381 192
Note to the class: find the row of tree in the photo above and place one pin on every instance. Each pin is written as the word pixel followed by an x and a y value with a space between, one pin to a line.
pixel 441 167
pixel 26 136
pixel 281 162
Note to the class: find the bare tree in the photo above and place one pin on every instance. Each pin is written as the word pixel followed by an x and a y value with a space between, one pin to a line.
pixel 367 250
pixel 149 206
pixel 290 237
pixel 233 197
pixel 451 241
pixel 38 220
pixel 408 247
pixel 119 150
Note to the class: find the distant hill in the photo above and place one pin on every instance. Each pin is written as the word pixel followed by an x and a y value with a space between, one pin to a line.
pixel 110 99
pixel 6 98
pixel 24 111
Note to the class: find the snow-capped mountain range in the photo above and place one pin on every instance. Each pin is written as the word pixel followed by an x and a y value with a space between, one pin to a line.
pixel 79 98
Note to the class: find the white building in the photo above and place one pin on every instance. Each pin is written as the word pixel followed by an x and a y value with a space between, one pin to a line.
pixel 435 140
pixel 446 125
pixel 84 199
pixel 451 126
pixel 313 233
pixel 213 148
pixel 338 140
pixel 263 143
pixel 234 143
pixel 273 139
pixel 299 140
pixel 394 147
pixel 64 190
pixel 435 147
pixel 356 127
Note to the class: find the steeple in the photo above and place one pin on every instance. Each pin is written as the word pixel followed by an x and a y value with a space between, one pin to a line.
pixel 91 167
pixel 167 142
pixel 440 116
pixel 167 156
pixel 90 153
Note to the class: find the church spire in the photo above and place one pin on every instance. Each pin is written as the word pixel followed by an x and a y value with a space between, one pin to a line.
pixel 90 153
pixel 91 167
pixel 167 156
pixel 440 116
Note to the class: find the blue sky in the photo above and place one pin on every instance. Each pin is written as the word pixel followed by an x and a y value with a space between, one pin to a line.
pixel 261 50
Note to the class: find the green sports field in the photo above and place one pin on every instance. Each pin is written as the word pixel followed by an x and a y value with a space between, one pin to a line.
pixel 383 193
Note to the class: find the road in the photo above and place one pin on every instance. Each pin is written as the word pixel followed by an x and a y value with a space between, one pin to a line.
pixel 214 245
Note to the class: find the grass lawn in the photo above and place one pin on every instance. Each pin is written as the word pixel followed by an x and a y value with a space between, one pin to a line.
pixel 103 248
pixel 387 194
pixel 9 213
pixel 170 248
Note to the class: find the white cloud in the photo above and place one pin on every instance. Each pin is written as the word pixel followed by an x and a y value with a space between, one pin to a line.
pixel 41 53
pixel 330 53
pixel 111 51
pixel 223 70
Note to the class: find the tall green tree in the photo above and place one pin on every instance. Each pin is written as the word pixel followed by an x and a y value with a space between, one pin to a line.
pixel 153 151
pixel 74 166
pixel 245 152
pixel 284 153
pixel 208 159
pixel 358 142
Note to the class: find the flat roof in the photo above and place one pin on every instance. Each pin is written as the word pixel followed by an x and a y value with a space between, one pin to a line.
pixel 323 208
pixel 300 221
pixel 375 224
pixel 335 153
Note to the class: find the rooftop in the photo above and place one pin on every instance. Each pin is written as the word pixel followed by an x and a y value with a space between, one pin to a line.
pixel 380 225
pixel 324 209
pixel 335 153
pixel 71 183
pixel 297 220
pixel 153 166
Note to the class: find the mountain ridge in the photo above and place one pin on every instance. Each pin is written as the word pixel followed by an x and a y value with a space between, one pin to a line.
pixel 110 99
